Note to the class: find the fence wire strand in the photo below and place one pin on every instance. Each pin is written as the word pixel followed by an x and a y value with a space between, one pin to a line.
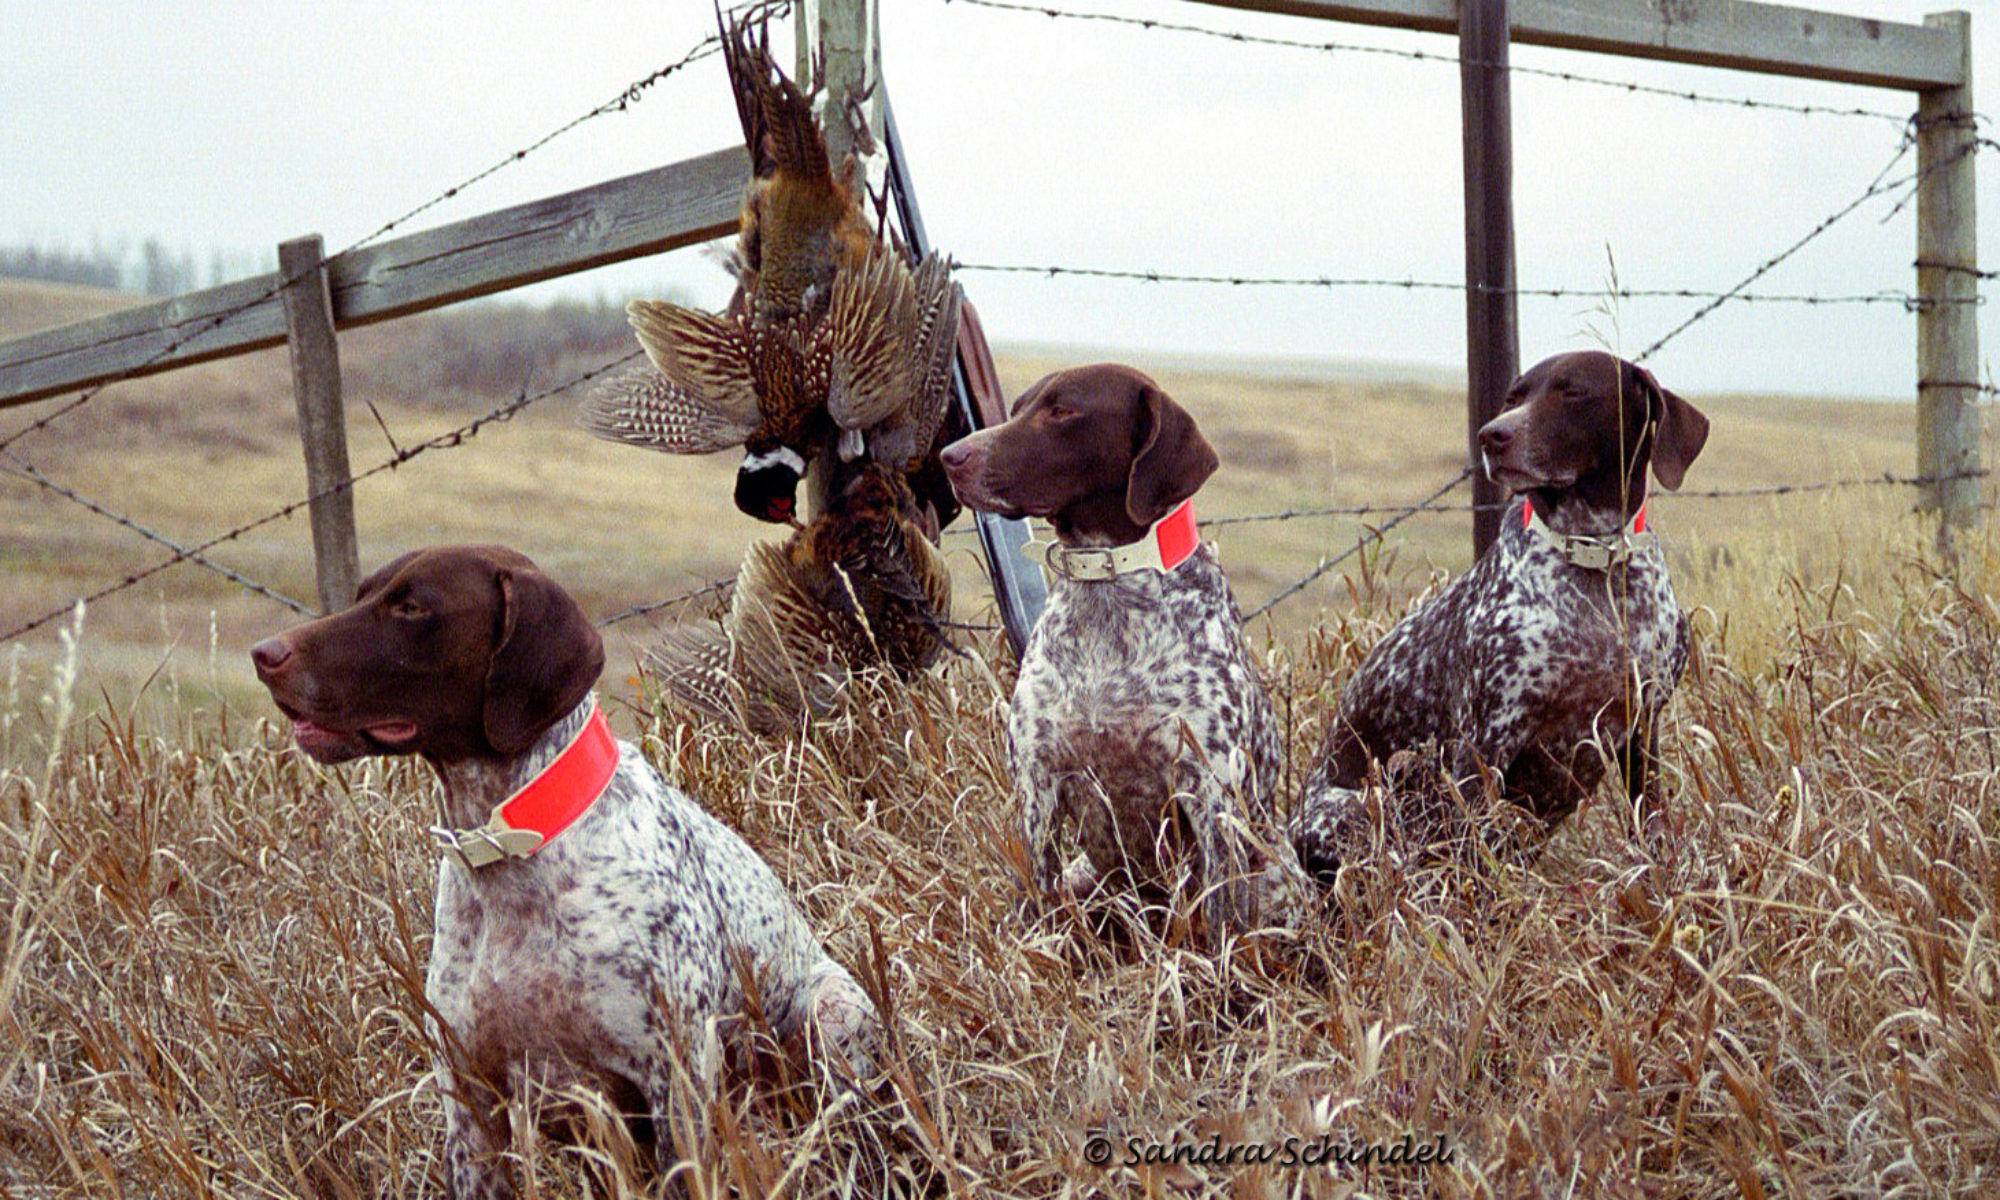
pixel 1903 299
pixel 1373 535
pixel 21 469
pixel 1334 47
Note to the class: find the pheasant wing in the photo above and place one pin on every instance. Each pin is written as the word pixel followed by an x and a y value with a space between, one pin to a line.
pixel 713 357
pixel 648 410
pixel 693 664
pixel 933 349
pixel 870 321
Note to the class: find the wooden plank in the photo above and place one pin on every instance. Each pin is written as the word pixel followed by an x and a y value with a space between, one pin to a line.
pixel 315 349
pixel 647 213
pixel 1775 39
pixel 1948 439
pixel 1492 321
pixel 690 202
pixel 142 341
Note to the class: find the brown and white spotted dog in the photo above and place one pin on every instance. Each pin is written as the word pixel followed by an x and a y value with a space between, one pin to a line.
pixel 590 926
pixel 1138 717
pixel 1558 650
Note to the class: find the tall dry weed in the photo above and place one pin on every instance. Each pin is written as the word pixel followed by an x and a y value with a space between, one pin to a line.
pixel 217 983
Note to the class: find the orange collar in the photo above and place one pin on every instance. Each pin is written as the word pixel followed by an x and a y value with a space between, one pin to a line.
pixel 1637 525
pixel 545 805
pixel 1167 543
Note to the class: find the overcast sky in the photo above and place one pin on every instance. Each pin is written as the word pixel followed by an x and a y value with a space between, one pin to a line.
pixel 237 125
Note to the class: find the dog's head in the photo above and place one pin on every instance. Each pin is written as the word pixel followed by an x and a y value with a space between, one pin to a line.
pixel 1589 424
pixel 454 652
pixel 1100 452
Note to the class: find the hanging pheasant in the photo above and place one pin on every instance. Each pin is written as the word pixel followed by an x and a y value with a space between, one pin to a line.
pixel 861 586
pixel 831 338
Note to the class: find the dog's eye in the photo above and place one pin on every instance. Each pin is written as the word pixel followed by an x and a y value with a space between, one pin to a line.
pixel 408 610
pixel 1057 412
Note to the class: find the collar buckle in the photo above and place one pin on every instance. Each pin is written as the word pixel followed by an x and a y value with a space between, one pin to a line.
pixel 1089 564
pixel 486 845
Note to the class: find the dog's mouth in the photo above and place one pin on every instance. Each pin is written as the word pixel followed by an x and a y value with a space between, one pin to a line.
pixel 1520 479
pixel 331 743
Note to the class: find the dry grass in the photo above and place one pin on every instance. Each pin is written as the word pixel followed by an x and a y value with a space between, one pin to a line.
pixel 211 955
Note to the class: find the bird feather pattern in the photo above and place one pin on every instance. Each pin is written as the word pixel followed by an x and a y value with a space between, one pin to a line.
pixel 648 410
pixel 870 322
pixel 711 357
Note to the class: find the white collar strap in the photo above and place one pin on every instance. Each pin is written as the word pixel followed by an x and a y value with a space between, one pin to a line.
pixel 1593 552
pixel 1167 543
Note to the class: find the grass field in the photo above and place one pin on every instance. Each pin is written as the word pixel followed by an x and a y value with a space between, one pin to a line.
pixel 211 949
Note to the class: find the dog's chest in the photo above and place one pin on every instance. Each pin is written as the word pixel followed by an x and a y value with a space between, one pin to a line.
pixel 1131 659
pixel 554 964
pixel 1525 646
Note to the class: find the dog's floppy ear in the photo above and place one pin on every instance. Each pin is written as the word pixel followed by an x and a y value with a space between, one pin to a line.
pixel 1679 430
pixel 1171 459
pixel 545 659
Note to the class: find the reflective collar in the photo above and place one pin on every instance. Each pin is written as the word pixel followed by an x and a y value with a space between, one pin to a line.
pixel 1168 543
pixel 1592 552
pixel 544 806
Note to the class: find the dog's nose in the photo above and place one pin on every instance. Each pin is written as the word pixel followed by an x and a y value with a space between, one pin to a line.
pixel 270 654
pixel 955 455
pixel 1495 438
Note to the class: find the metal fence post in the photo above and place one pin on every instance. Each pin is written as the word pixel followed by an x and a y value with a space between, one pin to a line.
pixel 322 418
pixel 1948 288
pixel 1492 325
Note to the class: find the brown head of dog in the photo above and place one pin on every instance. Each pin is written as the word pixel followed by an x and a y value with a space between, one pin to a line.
pixel 1100 452
pixel 454 653
pixel 1580 429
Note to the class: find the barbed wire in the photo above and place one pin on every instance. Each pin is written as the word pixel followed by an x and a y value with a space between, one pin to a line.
pixel 1880 186
pixel 21 469
pixel 447 440
pixel 1887 478
pixel 1373 535
pixel 631 94
pixel 1906 300
pixel 640 610
pixel 1334 47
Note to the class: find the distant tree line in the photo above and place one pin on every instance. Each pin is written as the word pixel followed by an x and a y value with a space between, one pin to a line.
pixel 151 268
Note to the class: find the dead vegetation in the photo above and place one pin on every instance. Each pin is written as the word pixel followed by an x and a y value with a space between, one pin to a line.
pixel 211 955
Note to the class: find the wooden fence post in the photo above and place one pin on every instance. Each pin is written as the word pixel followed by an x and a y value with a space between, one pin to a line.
pixel 1492 327
pixel 1947 288
pixel 322 418
pixel 839 48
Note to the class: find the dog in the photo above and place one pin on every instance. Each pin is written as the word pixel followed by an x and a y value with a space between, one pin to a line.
pixel 1557 652
pixel 1138 717
pixel 593 924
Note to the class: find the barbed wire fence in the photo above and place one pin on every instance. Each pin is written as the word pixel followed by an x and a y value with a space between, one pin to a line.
pixel 1885 183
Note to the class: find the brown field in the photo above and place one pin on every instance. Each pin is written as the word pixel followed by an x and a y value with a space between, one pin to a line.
pixel 211 949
